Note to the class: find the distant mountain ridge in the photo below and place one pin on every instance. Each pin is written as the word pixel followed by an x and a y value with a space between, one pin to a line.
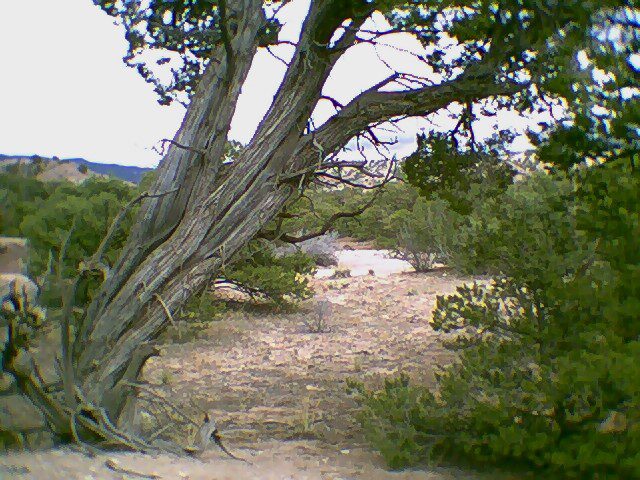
pixel 127 173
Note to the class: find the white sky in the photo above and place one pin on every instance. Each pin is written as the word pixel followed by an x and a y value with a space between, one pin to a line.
pixel 65 91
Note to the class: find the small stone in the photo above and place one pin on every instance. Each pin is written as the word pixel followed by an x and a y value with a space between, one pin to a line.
pixel 616 422
pixel 6 381
pixel 341 273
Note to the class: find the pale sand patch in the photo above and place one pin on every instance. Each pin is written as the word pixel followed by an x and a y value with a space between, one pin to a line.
pixel 363 261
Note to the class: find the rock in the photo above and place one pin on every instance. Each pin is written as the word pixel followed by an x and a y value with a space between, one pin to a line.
pixel 616 422
pixel 13 255
pixel 326 259
pixel 22 284
pixel 341 273
pixel 18 414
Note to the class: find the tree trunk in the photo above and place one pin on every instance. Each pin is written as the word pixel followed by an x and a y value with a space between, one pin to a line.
pixel 182 238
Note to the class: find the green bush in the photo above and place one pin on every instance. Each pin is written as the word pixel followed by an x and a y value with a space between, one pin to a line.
pixel 529 227
pixel 19 197
pixel 376 223
pixel 427 234
pixel 68 219
pixel 310 212
pixel 547 375
pixel 263 275
pixel 81 212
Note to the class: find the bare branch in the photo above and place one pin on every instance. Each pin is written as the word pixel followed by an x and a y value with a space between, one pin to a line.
pixel 164 141
pixel 328 224
pixel 280 59
pixel 96 258
pixel 113 466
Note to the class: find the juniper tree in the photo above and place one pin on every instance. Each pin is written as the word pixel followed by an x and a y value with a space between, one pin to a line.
pixel 483 55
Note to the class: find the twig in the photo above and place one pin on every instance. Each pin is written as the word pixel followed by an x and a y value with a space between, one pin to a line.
pixel 165 308
pixel 113 466
pixel 280 59
pixel 68 374
pixel 218 441
pixel 199 151
pixel 156 395
pixel 208 431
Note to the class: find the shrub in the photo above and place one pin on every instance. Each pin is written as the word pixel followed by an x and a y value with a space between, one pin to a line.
pixel 67 221
pixel 19 197
pixel 547 374
pixel 260 273
pixel 310 212
pixel 529 227
pixel 427 234
pixel 81 212
pixel 321 249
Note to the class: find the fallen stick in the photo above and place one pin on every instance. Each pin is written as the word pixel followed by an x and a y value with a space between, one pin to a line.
pixel 112 465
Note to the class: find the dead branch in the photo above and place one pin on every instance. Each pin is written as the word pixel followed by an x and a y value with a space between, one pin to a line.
pixel 113 466
pixel 165 308
pixel 325 227
pixel 96 258
pixel 273 54
pixel 149 390
pixel 199 151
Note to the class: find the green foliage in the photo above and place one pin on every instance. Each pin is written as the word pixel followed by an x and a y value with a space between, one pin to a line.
pixel 426 234
pixel 83 213
pixel 69 221
pixel 260 273
pixel 374 224
pixel 64 224
pixel 438 167
pixel 392 417
pixel 603 112
pixel 547 374
pixel 19 197
pixel 528 228
pixel 189 29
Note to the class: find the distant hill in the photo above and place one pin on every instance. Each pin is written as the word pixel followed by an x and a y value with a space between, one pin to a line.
pixel 127 173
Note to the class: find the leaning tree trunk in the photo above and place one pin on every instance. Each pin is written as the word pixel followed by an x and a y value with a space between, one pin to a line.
pixel 199 216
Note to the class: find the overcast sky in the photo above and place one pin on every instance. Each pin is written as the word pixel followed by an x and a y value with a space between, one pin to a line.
pixel 65 91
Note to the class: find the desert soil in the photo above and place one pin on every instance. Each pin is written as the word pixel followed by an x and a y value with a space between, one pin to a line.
pixel 278 392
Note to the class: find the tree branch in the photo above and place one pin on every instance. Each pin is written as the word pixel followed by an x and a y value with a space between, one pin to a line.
pixel 374 106
pixel 226 37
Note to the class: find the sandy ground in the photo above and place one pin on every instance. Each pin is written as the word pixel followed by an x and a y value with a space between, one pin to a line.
pixel 278 391
pixel 364 261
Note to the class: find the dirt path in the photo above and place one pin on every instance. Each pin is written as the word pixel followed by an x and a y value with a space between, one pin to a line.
pixel 279 393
